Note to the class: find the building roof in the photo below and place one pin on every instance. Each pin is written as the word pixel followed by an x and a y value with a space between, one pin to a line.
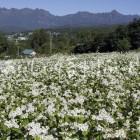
pixel 28 51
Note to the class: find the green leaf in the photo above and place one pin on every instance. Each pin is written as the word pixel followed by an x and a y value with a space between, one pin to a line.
pixel 37 138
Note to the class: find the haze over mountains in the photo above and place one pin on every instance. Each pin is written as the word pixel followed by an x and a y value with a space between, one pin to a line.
pixel 13 20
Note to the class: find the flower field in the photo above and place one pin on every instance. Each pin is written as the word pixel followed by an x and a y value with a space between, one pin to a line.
pixel 83 97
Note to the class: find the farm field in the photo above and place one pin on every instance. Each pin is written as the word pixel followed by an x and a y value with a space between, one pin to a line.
pixel 77 97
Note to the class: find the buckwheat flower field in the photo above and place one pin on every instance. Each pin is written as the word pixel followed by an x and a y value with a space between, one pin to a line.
pixel 83 97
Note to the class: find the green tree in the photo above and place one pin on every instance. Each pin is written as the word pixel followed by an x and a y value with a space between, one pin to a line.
pixel 12 49
pixel 121 32
pixel 3 44
pixel 45 48
pixel 134 33
pixel 99 43
pixel 38 38
pixel 123 45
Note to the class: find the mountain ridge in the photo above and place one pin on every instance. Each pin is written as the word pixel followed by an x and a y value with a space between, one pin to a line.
pixel 30 19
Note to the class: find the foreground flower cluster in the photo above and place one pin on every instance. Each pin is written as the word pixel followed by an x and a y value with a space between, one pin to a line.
pixel 83 97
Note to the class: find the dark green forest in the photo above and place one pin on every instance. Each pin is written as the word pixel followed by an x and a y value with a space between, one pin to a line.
pixel 120 38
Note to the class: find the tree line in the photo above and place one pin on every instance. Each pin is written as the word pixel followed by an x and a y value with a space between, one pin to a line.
pixel 83 40
pixel 122 39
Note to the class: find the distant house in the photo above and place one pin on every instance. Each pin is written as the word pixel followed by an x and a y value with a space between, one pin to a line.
pixel 29 53
pixel 21 39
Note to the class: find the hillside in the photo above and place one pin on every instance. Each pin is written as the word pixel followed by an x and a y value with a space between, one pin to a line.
pixel 13 20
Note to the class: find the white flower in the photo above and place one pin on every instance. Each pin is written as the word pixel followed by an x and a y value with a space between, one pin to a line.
pixel 138 128
pixel 67 138
pixel 103 115
pixel 15 113
pixel 11 124
pixel 83 127
pixel 2 97
pixel 120 133
pixel 25 115
pixel 51 109
pixel 105 82
pixel 35 129
pixel 55 95
pixel 48 137
pixel 35 89
pixel 100 128
pixel 30 108
pixel 127 124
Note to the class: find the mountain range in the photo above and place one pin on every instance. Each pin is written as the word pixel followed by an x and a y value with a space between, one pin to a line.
pixel 14 20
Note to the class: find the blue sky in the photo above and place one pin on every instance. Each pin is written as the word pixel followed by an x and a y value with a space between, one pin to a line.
pixel 62 7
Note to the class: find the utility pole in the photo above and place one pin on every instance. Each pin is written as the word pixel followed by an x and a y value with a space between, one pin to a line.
pixel 51 39
pixel 17 44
